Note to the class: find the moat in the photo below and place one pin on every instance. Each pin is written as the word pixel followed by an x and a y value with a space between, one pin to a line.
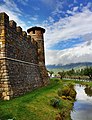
pixel 82 109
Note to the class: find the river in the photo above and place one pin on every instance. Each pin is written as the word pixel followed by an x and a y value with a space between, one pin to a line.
pixel 82 109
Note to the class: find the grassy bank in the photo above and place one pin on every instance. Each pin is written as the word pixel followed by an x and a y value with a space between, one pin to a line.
pixel 35 105
pixel 78 82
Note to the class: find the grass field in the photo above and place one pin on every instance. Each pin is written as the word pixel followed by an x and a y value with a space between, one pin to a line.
pixel 34 105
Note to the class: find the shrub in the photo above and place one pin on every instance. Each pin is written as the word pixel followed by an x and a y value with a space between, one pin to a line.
pixel 59 92
pixel 69 97
pixel 72 94
pixel 64 97
pixel 67 91
pixel 56 103
pixel 71 85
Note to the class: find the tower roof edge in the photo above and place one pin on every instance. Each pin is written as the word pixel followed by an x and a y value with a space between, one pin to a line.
pixel 36 28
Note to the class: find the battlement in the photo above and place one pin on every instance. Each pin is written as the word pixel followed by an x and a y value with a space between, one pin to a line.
pixel 4 19
pixel 12 25
pixel 22 61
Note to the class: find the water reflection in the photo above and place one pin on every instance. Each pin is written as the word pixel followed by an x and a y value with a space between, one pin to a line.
pixel 83 106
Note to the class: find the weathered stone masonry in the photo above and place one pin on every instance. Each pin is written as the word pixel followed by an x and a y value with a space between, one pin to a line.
pixel 22 61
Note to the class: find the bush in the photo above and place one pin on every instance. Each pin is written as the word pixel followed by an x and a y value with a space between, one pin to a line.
pixel 56 103
pixel 65 91
pixel 72 94
pixel 71 85
pixel 64 97
pixel 59 92
pixel 69 97
pixel 68 91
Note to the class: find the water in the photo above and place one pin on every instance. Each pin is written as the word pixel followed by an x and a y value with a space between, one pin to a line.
pixel 82 109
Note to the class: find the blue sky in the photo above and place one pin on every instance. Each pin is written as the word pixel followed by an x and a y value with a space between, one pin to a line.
pixel 68 24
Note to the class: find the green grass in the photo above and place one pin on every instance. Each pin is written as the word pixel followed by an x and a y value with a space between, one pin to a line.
pixel 36 104
pixel 78 82
pixel 32 106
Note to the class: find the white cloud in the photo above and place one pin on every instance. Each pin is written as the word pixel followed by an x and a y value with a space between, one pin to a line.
pixel 50 19
pixel 69 12
pixel 24 2
pixel 13 11
pixel 35 17
pixel 81 53
pixel 75 8
pixel 70 27
pixel 58 7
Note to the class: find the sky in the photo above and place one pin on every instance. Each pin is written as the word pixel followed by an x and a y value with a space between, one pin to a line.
pixel 68 24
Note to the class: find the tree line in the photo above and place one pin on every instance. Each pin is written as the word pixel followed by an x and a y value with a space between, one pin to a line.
pixel 80 73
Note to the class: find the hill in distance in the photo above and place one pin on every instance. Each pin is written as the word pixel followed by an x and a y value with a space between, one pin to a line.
pixel 69 66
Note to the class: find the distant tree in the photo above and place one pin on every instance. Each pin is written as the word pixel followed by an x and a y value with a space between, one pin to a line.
pixel 88 72
pixel 62 74
pixel 71 72
pixel 88 91
pixel 50 72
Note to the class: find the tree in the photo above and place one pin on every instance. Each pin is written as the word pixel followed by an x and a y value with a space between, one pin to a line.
pixel 71 72
pixel 88 72
pixel 62 74
pixel 50 72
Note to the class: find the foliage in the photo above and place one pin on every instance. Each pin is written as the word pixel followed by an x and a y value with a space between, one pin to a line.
pixel 70 72
pixel 88 72
pixel 78 74
pixel 59 92
pixel 88 91
pixel 62 74
pixel 50 72
pixel 56 103
pixel 68 91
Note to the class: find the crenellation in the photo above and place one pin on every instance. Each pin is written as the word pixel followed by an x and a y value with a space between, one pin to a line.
pixel 22 66
pixel 19 30
pixel 12 24
pixel 4 19
pixel 24 34
pixel 28 37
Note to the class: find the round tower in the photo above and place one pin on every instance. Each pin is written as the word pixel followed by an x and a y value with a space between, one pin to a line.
pixel 36 34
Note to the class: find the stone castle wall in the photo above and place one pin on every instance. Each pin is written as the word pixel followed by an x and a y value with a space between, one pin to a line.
pixel 20 70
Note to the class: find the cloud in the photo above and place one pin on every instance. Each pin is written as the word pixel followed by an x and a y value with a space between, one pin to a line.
pixel 88 37
pixel 11 6
pixel 58 8
pixel 70 27
pixel 13 11
pixel 81 53
pixel 35 17
pixel 24 2
pixel 75 8
pixel 36 8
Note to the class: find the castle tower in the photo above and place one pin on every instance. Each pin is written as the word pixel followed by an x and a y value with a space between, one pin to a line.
pixel 36 34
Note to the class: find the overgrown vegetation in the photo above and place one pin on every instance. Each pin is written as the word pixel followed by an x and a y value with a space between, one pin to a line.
pixel 66 94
